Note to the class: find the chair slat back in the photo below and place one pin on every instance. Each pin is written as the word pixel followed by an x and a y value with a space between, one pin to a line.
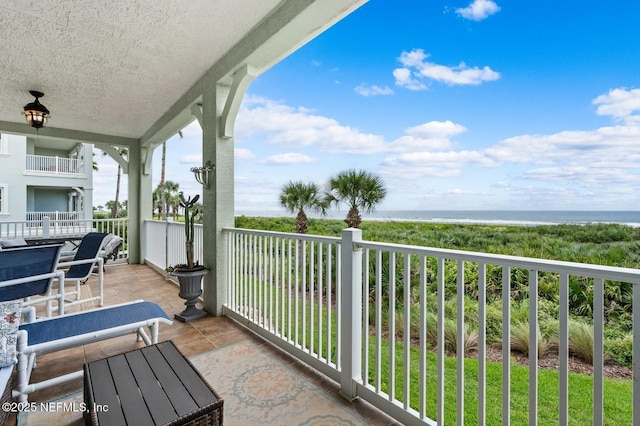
pixel 28 261
pixel 88 249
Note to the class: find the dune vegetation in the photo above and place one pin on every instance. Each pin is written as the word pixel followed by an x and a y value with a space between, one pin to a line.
pixel 601 244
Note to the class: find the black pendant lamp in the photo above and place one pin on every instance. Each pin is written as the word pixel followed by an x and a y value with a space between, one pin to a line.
pixel 35 113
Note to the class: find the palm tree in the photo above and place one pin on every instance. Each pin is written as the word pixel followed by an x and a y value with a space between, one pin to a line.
pixel 171 199
pixel 298 196
pixel 163 194
pixel 123 152
pixel 163 189
pixel 172 195
pixel 359 189
pixel 114 207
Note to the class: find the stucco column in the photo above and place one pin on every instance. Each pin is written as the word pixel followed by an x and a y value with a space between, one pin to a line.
pixel 139 198
pixel 218 200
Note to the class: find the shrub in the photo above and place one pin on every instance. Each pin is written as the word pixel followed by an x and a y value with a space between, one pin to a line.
pixel 520 312
pixel 620 350
pixel 494 322
pixel 520 340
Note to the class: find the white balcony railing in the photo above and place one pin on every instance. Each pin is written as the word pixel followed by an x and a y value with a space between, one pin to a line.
pixel 342 305
pixel 46 228
pixel 55 216
pixel 42 164
pixel 165 243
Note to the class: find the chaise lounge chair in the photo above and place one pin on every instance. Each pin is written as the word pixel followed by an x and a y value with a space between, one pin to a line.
pixel 111 248
pixel 71 330
pixel 26 271
pixel 22 276
pixel 86 258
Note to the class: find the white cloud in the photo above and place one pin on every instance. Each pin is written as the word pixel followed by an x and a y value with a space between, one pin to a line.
pixel 373 90
pixel 603 147
pixel 405 79
pixel 288 158
pixel 299 127
pixel 284 125
pixel 431 136
pixel 416 69
pixel 601 159
pixel 441 164
pixel 436 129
pixel 242 154
pixel 620 103
pixel 586 176
pixel 593 160
pixel 191 159
pixel 478 10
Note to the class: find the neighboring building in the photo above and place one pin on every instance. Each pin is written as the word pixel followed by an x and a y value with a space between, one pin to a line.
pixel 45 177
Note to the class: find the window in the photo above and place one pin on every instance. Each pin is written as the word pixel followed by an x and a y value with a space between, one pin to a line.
pixel 4 200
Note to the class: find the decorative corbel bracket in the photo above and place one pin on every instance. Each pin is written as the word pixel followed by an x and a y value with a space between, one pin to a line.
pixel 241 80
pixel 113 153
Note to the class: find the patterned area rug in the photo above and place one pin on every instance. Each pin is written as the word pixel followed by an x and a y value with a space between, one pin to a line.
pixel 257 389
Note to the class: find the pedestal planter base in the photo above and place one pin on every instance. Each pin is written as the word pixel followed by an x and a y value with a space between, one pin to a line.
pixel 190 289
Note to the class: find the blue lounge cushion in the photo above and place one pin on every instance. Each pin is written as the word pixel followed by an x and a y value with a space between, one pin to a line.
pixel 88 249
pixel 24 262
pixel 65 326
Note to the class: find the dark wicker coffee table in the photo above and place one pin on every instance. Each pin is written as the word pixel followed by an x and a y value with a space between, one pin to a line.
pixel 154 385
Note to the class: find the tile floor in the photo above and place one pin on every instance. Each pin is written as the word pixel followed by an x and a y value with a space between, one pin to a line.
pixel 129 282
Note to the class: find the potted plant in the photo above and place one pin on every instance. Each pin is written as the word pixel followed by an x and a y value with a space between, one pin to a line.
pixel 190 274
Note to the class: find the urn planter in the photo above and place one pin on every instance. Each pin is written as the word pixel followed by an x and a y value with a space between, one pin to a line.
pixel 190 289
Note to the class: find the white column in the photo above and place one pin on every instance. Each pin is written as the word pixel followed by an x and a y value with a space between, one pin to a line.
pixel 218 200
pixel 139 188
pixel 351 314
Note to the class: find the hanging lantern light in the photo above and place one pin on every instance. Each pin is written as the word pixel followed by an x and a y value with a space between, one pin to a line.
pixel 35 113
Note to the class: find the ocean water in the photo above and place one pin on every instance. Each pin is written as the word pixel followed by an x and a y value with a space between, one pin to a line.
pixel 497 217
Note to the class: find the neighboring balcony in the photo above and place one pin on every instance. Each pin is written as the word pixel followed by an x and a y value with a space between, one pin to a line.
pixel 55 216
pixel 48 165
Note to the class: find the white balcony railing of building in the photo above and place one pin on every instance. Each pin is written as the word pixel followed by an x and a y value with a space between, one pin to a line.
pixel 342 306
pixel 47 228
pixel 164 243
pixel 55 216
pixel 42 164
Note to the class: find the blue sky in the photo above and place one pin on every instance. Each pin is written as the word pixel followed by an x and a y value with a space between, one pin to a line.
pixel 469 105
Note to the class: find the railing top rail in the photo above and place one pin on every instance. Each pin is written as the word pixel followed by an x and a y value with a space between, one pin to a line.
pixel 572 268
pixel 292 235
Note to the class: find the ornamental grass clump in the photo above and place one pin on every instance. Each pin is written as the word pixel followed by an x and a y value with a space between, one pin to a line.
pixel 520 339
pixel 580 341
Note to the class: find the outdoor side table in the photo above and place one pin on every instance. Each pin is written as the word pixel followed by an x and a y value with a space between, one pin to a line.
pixel 153 385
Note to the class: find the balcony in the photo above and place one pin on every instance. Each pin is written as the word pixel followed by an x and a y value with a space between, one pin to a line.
pixel 128 282
pixel 56 216
pixel 45 225
pixel 341 305
pixel 54 166
pixel 337 305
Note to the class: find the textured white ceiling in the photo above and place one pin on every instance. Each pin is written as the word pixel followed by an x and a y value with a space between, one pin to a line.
pixel 114 66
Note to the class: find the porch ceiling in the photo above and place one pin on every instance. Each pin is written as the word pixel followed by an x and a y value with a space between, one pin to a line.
pixel 132 68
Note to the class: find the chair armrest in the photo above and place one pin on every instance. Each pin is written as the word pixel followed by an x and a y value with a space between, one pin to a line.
pixel 80 262
pixel 57 274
